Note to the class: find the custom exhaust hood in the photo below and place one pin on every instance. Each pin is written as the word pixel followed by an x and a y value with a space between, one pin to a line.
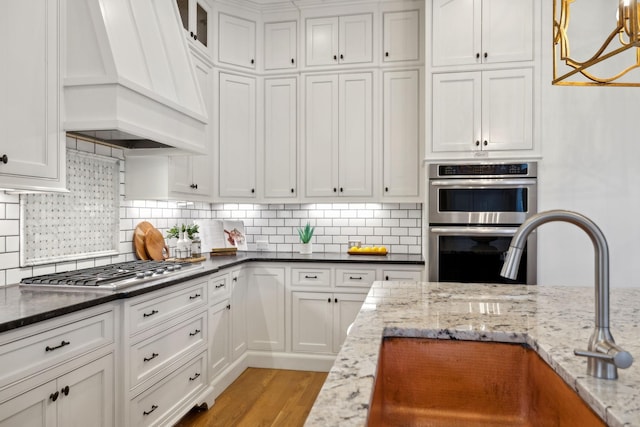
pixel 129 80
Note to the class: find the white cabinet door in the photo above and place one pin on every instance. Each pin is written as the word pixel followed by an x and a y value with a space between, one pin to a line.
pixel 87 395
pixel 507 109
pixel 34 408
pixel 280 45
pixel 32 142
pixel 345 310
pixel 456 111
pixel 339 40
pixel 312 318
pixel 401 36
pixel 355 135
pixel 488 110
pixel 192 175
pixel 484 31
pixel 265 308
pixel 238 314
pixel 321 135
pixel 355 39
pixel 280 138
pixel 507 30
pixel 195 15
pixel 237 136
pixel 401 133
pixel 219 321
pixel 237 41
pixel 322 41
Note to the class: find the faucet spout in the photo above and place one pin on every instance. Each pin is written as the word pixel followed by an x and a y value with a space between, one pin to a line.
pixel 604 356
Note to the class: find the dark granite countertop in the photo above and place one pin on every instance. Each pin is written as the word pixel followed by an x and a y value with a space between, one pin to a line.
pixel 19 307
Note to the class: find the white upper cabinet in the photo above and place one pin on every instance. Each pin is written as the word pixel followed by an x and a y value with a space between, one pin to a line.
pixel 280 138
pixel 195 16
pixel 338 143
pixel 280 45
pixel 237 136
pixel 237 41
pixel 401 134
pixel 401 36
pixel 32 143
pixel 483 110
pixel 482 31
pixel 339 40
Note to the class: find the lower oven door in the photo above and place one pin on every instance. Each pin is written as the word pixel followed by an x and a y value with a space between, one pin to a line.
pixel 476 254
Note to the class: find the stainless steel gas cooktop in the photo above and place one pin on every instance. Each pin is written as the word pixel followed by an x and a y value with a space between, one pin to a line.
pixel 111 277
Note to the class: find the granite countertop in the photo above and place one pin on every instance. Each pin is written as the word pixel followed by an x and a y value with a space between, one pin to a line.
pixel 551 320
pixel 20 307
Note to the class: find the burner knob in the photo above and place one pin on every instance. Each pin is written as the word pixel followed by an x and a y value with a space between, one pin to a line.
pixel 148 273
pixel 178 267
pixel 170 268
pixel 159 270
pixel 139 275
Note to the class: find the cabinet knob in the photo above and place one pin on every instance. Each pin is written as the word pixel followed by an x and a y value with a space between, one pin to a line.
pixel 191 34
pixel 292 190
pixel 194 186
pixel 341 56
pixel 65 390
pixel 386 277
pixel 335 190
pixel 486 54
pixel 4 159
pixel 54 396
pixel 485 143
pixel 253 190
pixel 335 57
pixel 253 61
pixel 336 300
pixel 228 307
pixel 477 55
pixel 195 37
pixel 341 189
pixel 477 143
pixel 386 54
pixel 329 300
pixel 293 61
pixel 386 189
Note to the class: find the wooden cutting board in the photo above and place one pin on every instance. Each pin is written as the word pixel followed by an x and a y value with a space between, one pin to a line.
pixel 138 239
pixel 155 245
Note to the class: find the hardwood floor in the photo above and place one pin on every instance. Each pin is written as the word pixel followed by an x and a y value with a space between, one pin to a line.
pixel 262 397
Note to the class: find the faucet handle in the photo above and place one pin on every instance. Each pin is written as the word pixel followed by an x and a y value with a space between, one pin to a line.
pixel 620 358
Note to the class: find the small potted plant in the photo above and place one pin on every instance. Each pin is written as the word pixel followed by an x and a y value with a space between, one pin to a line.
pixel 172 238
pixel 306 234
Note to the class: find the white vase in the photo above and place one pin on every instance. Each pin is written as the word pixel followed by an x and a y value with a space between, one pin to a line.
pixel 183 248
pixel 306 248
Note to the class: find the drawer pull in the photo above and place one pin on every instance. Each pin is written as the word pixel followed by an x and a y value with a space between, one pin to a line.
pixel 221 285
pixel 151 313
pixel 355 278
pixel 194 296
pixel 310 277
pixel 62 344
pixel 153 408
pixel 54 396
pixel 153 356
pixel 194 333
pixel 193 378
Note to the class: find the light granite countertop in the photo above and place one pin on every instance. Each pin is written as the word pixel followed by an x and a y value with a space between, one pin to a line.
pixel 551 320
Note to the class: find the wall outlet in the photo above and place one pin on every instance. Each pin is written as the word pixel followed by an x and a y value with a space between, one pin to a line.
pixel 262 245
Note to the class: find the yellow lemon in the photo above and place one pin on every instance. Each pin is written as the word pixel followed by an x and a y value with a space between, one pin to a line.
pixel 353 249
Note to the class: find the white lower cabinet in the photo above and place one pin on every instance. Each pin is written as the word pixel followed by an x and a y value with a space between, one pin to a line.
pixel 321 320
pixel 83 396
pixel 219 323
pixel 265 308
pixel 238 313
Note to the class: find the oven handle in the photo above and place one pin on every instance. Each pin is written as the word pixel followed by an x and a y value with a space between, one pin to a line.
pixel 473 231
pixel 480 182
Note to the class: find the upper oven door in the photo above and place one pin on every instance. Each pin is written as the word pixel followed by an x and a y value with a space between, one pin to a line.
pixel 481 201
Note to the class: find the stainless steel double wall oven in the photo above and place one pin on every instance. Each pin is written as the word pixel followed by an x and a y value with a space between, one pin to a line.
pixel 474 210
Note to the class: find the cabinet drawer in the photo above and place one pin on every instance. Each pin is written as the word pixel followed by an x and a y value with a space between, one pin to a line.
pixel 355 277
pixel 42 350
pixel 150 313
pixel 218 289
pixel 154 406
pixel 153 354
pixel 402 275
pixel 311 277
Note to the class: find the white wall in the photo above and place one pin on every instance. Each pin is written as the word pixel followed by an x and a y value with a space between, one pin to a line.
pixel 591 164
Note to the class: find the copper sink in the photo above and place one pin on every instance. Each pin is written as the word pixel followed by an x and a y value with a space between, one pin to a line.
pixel 428 382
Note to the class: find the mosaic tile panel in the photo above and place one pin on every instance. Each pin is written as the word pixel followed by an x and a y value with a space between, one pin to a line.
pixel 82 223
